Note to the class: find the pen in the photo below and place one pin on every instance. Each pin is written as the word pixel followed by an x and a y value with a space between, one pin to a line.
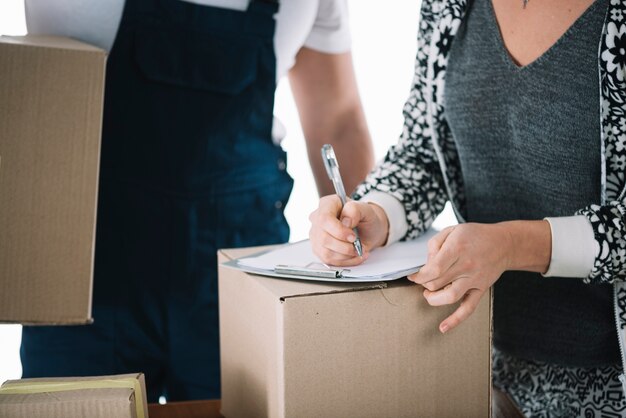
pixel 332 168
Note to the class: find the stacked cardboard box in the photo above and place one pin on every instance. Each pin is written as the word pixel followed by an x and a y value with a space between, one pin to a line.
pixel 51 102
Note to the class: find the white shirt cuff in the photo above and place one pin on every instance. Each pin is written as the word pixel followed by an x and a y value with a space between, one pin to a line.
pixel 573 247
pixel 394 209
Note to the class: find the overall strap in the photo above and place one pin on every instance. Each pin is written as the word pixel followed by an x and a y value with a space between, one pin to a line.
pixel 263 7
pixel 261 17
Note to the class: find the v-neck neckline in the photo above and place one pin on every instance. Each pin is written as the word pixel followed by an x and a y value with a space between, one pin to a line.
pixel 548 52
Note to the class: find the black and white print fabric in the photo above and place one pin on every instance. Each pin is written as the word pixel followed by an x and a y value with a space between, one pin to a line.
pixel 609 218
pixel 543 390
pixel 423 171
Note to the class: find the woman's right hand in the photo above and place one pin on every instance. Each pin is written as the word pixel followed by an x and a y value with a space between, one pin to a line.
pixel 331 232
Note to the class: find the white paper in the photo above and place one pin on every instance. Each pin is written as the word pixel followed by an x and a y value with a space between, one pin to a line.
pixel 382 262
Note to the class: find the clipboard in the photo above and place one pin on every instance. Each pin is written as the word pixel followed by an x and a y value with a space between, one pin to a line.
pixel 297 261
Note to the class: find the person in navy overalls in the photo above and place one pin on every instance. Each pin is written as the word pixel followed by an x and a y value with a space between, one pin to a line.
pixel 188 166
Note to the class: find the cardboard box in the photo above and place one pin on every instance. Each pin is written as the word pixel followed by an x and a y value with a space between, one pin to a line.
pixel 121 396
pixel 294 348
pixel 51 98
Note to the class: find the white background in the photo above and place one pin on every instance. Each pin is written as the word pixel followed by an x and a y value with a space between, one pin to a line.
pixel 384 40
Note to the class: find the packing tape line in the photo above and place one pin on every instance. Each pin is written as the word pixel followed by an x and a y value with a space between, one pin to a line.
pixel 42 387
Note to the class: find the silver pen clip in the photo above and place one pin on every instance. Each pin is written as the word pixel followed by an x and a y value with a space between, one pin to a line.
pixel 332 169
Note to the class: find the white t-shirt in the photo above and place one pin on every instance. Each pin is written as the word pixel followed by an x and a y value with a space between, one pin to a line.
pixel 321 25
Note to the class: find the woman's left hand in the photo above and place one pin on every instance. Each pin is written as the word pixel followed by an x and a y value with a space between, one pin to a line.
pixel 463 262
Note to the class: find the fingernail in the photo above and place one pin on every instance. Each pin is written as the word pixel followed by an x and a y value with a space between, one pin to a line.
pixel 444 328
pixel 351 238
pixel 346 222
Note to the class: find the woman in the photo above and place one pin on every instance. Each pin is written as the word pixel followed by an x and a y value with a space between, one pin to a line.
pixel 503 121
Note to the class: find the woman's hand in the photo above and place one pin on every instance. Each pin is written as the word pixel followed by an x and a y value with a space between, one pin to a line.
pixel 465 260
pixel 331 232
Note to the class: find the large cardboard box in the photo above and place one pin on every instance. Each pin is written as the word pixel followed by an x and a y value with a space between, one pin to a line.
pixel 311 349
pixel 51 98
pixel 119 396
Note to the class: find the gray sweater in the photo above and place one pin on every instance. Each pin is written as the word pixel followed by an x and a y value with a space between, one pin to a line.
pixel 529 148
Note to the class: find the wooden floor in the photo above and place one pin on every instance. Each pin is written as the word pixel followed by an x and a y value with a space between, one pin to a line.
pixel 191 409
pixel 502 407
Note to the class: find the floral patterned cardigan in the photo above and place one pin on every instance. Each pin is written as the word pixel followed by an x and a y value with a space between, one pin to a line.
pixel 422 170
